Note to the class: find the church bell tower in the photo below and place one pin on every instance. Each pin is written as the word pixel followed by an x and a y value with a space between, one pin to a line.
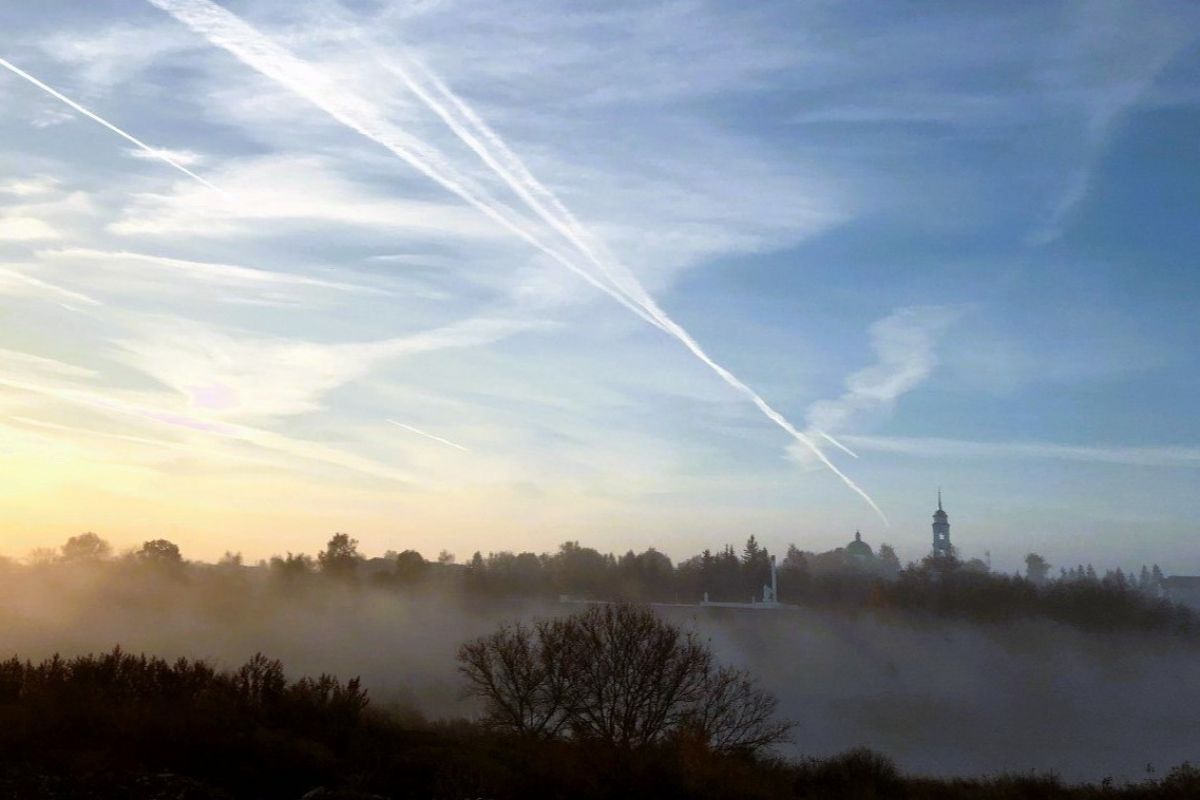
pixel 941 531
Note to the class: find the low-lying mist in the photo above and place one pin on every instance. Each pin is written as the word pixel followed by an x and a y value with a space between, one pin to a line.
pixel 939 696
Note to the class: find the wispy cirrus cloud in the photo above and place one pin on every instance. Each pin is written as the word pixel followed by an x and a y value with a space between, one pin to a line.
pixel 1124 52
pixel 904 345
pixel 300 188
pixel 229 375
pixel 18 282
pixel 33 186
pixel 155 273
pixel 941 448
pixel 27 229
pixel 207 439
pixel 117 53
pixel 17 362
pixel 75 430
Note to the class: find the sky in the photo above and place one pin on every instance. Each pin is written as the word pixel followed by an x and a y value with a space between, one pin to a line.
pixel 470 276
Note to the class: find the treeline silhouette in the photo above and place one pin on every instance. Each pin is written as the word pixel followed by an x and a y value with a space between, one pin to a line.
pixel 840 579
pixel 120 725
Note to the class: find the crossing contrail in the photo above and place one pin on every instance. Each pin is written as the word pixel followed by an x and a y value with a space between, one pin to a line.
pixel 495 153
pixel 427 435
pixel 226 30
pixel 159 154
pixel 837 444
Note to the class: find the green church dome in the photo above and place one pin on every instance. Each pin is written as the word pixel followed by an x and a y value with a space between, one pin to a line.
pixel 858 548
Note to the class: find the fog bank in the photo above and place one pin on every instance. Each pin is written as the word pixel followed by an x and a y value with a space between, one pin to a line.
pixel 938 696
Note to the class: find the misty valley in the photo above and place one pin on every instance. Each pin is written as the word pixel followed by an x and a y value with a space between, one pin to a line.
pixel 864 674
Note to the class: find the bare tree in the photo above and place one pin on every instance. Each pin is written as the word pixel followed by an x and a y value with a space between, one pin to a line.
pixel 615 674
pixel 516 671
pixel 632 676
pixel 733 713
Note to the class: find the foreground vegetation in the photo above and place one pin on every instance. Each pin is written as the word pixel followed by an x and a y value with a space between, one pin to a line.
pixel 120 725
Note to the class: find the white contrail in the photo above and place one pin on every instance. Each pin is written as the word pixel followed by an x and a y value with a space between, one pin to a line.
pixel 496 154
pixel 37 283
pixel 420 432
pixel 159 154
pixel 229 32
pixel 837 444
pixel 477 135
pixel 226 30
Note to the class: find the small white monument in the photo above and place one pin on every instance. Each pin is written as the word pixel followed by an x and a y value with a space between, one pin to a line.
pixel 770 593
pixel 770 596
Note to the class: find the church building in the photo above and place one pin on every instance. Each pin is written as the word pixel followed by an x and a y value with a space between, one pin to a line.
pixel 858 551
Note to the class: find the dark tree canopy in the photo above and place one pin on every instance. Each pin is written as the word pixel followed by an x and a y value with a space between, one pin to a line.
pixel 340 556
pixel 85 547
pixel 161 552
pixel 410 566
pixel 1037 568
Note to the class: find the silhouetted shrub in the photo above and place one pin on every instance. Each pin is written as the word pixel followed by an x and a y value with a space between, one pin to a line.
pixel 136 712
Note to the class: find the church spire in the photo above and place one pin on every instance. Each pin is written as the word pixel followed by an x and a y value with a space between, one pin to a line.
pixel 941 530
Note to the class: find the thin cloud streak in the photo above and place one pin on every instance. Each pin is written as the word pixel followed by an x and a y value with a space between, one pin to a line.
pixel 201 270
pixel 427 435
pixel 28 282
pixel 41 364
pixel 918 447
pixel 159 154
pixel 257 437
pixel 121 437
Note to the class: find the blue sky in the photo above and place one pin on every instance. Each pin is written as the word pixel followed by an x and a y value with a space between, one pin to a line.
pixel 959 240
